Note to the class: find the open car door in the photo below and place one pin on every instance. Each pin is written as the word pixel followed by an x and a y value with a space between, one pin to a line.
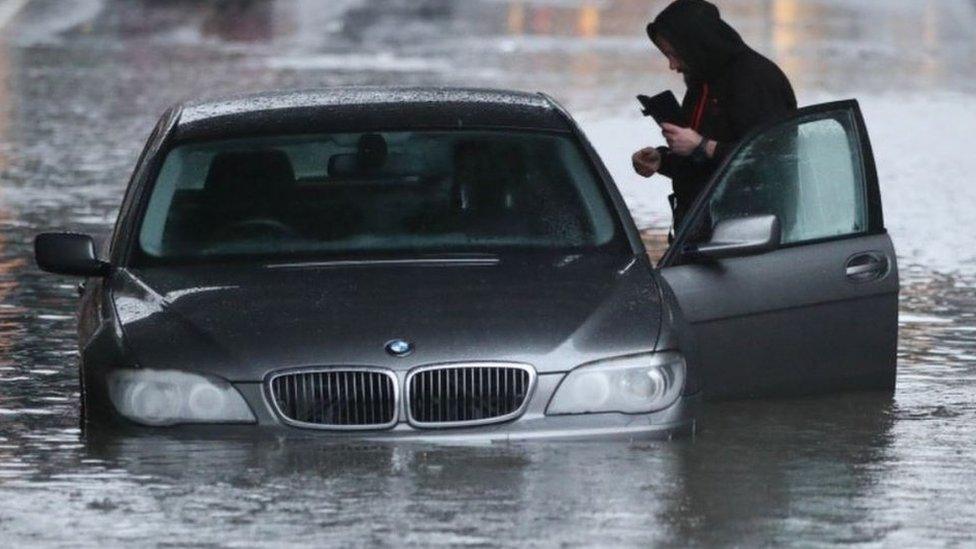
pixel 783 268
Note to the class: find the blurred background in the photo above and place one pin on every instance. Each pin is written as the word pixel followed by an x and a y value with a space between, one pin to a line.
pixel 83 81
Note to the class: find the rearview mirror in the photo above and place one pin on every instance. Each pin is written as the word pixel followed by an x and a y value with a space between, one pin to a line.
pixel 68 253
pixel 740 236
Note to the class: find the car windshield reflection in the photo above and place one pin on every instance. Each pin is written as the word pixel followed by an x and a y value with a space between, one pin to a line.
pixel 337 195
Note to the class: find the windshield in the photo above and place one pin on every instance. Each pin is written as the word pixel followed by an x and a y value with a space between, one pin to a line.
pixel 428 192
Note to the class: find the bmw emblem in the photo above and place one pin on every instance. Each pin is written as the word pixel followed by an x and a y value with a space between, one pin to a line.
pixel 399 347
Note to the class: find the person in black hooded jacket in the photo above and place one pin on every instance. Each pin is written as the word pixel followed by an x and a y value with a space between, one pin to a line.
pixel 731 90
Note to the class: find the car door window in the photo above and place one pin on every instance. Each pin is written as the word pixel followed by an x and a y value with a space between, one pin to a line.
pixel 807 171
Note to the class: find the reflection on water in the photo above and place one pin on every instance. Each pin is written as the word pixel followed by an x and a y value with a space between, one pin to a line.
pixel 82 83
pixel 305 491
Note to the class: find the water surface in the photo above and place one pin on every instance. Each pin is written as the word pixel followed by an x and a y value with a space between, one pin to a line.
pixel 83 82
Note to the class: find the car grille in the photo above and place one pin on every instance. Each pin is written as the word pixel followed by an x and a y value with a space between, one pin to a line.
pixel 336 399
pixel 468 394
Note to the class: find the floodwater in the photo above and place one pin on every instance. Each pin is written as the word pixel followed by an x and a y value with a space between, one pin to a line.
pixel 83 81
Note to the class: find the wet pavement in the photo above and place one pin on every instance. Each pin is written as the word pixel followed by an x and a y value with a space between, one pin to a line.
pixel 82 84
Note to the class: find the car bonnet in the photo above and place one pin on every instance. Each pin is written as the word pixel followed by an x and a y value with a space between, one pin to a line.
pixel 242 323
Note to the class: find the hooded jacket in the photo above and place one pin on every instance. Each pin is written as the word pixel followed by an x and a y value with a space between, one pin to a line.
pixel 731 90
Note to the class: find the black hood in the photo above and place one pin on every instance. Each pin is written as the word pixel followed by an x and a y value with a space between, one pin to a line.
pixel 241 323
pixel 703 41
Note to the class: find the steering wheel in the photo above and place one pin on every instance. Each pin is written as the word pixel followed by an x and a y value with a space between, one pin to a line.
pixel 255 227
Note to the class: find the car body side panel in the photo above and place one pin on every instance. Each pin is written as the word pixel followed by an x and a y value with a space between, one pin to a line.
pixel 790 321
pixel 676 334
pixel 101 347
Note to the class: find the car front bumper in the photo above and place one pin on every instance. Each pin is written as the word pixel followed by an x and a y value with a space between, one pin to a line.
pixel 532 425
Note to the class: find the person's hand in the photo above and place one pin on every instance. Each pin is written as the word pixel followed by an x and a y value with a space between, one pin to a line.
pixel 681 141
pixel 647 161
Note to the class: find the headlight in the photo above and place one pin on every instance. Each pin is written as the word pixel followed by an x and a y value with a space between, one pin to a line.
pixel 635 384
pixel 168 397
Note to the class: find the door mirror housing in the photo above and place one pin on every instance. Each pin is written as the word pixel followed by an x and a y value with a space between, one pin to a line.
pixel 69 254
pixel 740 236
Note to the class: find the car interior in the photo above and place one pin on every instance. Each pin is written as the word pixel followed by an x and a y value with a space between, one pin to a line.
pixel 464 189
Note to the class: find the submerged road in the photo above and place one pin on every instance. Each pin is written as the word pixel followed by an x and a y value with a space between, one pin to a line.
pixel 82 82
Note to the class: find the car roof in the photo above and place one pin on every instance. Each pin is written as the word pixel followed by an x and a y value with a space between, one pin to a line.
pixel 367 109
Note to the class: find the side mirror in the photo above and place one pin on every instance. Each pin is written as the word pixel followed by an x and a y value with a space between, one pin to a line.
pixel 68 253
pixel 740 236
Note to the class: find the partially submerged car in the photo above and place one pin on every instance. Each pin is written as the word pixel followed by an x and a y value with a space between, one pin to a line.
pixel 457 264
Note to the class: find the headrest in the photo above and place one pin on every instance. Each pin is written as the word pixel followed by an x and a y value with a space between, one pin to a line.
pixel 490 159
pixel 488 174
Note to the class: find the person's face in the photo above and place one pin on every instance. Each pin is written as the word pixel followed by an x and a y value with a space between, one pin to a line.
pixel 674 62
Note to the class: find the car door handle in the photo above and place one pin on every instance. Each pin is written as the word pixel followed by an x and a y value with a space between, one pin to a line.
pixel 867 266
